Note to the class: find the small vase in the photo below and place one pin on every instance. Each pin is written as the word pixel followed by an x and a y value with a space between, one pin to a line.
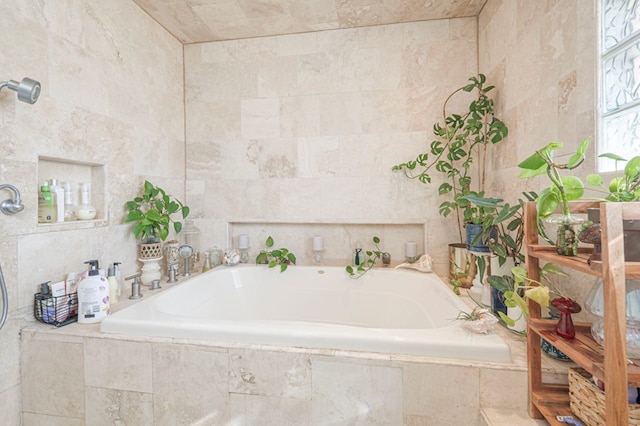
pixel 566 307
pixel 566 238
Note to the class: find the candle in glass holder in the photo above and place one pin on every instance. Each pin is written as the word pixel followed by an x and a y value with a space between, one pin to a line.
pixel 410 249
pixel 318 244
pixel 243 241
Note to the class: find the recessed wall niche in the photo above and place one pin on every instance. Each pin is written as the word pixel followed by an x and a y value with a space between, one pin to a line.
pixel 76 172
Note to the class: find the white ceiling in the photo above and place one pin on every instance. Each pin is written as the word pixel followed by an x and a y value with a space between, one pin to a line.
pixel 195 21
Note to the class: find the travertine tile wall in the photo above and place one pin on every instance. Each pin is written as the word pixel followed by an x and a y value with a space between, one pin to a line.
pixel 95 379
pixel 543 54
pixel 303 129
pixel 112 94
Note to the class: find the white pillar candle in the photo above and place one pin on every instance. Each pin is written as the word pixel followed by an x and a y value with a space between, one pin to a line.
pixel 318 244
pixel 411 249
pixel 243 241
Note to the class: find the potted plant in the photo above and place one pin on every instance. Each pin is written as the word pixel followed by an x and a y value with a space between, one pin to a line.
pixel 152 213
pixel 462 141
pixel 518 287
pixel 625 188
pixel 562 190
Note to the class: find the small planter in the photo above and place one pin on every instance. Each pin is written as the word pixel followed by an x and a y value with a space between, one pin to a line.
pixel 462 265
pixel 472 232
pixel 150 250
pixel 566 237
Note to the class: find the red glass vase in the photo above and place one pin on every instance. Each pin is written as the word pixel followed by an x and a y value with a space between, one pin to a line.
pixel 566 307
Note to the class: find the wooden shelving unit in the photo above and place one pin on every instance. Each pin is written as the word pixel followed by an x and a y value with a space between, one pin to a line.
pixel 610 363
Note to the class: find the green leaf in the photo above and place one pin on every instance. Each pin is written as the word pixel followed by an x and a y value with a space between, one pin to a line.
pixel 292 258
pixel 376 240
pixel 134 216
pixel 573 187
pixel 261 257
pixel 185 212
pixel 276 253
pixel 509 321
pixel 547 203
pixel 163 233
pixel 534 162
pixel 612 156
pixel 177 226
pixel 594 180
pixel 269 242
pixel 272 264
pixel 632 169
pixel 283 267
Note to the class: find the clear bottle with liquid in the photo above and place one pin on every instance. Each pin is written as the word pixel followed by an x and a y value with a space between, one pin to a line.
pixel 47 207
pixel 85 210
pixel 69 207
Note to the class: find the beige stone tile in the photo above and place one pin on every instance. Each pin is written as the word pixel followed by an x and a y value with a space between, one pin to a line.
pixel 504 389
pixel 347 393
pixel 32 419
pixel 446 394
pixel 269 410
pixel 110 406
pixel 52 378
pixel 265 373
pixel 189 385
pixel 118 364
pixel 260 118
pixel 10 405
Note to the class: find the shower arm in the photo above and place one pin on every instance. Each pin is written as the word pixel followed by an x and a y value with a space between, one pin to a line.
pixel 11 206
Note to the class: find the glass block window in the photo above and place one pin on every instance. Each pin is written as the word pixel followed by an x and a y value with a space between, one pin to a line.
pixel 620 114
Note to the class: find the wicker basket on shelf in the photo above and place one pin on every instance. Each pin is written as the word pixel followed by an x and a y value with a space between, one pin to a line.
pixel 587 400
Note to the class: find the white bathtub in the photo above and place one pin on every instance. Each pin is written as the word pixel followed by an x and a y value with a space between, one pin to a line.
pixel 391 311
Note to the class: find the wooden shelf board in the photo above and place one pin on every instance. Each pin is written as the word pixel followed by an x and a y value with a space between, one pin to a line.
pixel 579 262
pixel 582 350
pixel 552 401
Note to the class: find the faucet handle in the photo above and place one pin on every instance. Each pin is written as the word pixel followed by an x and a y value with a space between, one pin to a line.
pixel 135 285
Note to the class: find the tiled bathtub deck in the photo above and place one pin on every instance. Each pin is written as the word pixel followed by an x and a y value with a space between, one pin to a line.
pixel 76 376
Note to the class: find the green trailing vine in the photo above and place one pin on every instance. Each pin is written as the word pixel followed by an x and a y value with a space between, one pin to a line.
pixel 372 256
pixel 275 257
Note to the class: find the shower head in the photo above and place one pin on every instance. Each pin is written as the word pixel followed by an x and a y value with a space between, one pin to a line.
pixel 28 90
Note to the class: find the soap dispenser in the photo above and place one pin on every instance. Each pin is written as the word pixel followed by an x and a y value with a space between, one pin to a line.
pixel 93 296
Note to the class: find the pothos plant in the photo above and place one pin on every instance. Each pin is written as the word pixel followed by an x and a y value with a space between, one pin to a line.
pixel 518 287
pixel 562 190
pixel 372 256
pixel 625 188
pixel 461 141
pixel 275 257
pixel 152 214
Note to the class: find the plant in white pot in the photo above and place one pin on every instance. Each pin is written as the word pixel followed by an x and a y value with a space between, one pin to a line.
pixel 152 213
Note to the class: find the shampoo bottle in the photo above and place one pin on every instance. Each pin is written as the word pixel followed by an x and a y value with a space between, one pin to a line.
pixel 59 191
pixel 93 296
pixel 113 285
pixel 47 212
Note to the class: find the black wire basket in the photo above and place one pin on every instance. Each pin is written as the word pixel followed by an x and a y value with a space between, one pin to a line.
pixel 59 310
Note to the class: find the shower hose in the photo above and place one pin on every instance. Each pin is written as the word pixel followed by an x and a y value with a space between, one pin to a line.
pixel 5 301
